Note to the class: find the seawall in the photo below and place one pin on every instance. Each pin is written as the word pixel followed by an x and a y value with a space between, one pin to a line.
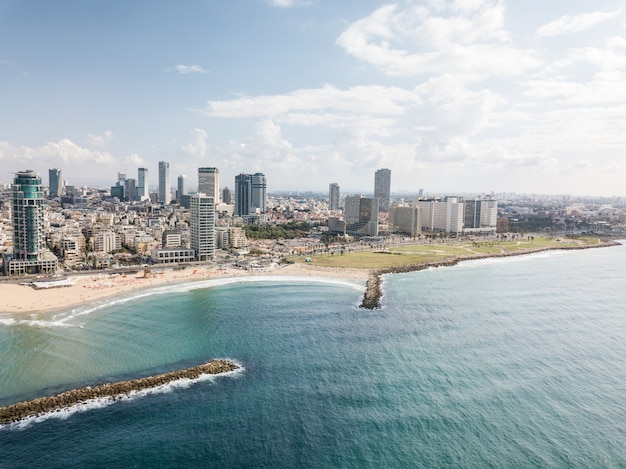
pixel 31 408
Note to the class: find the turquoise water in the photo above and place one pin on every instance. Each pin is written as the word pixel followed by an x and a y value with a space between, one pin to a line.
pixel 516 362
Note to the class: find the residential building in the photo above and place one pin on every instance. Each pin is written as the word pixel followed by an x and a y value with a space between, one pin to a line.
pixel 202 226
pixel 382 188
pixel 30 254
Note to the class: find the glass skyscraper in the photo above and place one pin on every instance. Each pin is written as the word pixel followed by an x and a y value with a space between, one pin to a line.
pixel 55 182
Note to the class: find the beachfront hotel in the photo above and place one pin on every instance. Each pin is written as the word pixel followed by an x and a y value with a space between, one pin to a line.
pixel 30 255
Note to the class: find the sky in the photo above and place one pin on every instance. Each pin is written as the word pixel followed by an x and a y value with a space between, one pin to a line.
pixel 453 96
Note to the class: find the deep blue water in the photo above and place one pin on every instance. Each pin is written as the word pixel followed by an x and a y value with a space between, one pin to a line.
pixel 516 362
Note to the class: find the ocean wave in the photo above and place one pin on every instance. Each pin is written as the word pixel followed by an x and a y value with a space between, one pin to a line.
pixel 102 402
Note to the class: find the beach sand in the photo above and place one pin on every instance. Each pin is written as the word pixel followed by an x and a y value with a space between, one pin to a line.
pixel 86 289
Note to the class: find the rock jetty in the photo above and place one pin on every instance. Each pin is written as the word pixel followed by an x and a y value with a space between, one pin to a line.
pixel 31 408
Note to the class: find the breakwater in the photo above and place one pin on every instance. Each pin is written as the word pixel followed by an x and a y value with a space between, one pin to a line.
pixel 41 405
pixel 373 290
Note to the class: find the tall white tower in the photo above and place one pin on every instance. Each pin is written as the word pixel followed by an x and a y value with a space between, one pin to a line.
pixel 165 197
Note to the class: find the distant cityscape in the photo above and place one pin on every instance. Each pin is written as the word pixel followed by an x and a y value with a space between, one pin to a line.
pixel 45 230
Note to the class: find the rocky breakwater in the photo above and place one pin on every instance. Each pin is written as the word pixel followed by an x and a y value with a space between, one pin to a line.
pixel 31 408
pixel 373 289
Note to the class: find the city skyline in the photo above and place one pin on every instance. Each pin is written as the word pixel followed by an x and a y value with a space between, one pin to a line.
pixel 452 96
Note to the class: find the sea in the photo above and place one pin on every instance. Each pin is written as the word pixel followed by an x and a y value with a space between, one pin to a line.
pixel 515 362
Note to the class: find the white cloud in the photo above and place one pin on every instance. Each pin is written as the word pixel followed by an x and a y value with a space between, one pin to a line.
pixel 187 69
pixel 95 140
pixel 135 160
pixel 75 161
pixel 198 144
pixel 359 99
pixel 573 24
pixel 466 37
pixel 289 3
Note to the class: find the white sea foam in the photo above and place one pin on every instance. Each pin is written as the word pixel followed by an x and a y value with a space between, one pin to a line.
pixel 102 402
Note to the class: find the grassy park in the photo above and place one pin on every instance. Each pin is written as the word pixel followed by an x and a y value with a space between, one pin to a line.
pixel 384 256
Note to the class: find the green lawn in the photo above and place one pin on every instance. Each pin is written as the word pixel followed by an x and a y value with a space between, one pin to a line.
pixel 425 253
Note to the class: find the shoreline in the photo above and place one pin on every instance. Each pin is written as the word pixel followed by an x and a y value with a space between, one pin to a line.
pixel 86 289
pixel 373 288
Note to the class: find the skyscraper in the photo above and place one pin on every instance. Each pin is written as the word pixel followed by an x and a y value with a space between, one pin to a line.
pixel 259 192
pixel 165 196
pixel 243 196
pixel 55 182
pixel 227 196
pixel 333 196
pixel 209 182
pixel 202 226
pixel 382 188
pixel 142 184
pixel 182 188
pixel 29 238
pixel 130 190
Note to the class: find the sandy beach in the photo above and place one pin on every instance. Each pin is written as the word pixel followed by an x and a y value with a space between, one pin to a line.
pixel 86 289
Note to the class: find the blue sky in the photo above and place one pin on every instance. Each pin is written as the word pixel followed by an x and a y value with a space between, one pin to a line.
pixel 452 95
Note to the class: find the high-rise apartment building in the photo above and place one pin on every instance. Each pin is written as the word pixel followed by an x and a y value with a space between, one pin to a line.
pixel 142 184
pixel 333 196
pixel 182 188
pixel 55 182
pixel 259 192
pixel 29 238
pixel 165 196
pixel 382 188
pixel 202 226
pixel 243 194
pixel 209 182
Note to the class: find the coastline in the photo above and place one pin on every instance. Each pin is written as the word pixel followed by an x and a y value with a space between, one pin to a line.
pixel 21 299
pixel 89 288
pixel 373 289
